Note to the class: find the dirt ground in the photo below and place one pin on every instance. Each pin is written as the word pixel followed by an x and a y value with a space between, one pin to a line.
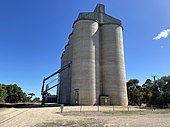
pixel 85 116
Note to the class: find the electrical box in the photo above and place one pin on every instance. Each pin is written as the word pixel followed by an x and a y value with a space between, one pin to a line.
pixel 104 100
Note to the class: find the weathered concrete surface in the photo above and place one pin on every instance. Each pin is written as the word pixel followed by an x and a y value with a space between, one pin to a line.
pixel 86 38
pixel 65 86
pixel 99 15
pixel 96 51
pixel 113 67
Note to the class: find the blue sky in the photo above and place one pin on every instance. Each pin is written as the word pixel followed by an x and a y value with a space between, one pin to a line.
pixel 33 34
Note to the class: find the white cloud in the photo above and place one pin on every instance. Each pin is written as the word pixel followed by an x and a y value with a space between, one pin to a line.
pixel 163 34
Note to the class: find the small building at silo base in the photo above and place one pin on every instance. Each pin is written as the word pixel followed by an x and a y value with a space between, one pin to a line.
pixel 97 72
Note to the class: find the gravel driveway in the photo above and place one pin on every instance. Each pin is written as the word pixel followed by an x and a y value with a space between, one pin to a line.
pixel 87 116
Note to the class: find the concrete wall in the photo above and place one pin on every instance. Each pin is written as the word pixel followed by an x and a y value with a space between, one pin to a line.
pixel 113 69
pixel 86 36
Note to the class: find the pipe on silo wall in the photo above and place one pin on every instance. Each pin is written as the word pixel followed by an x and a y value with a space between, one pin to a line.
pixel 113 67
pixel 84 60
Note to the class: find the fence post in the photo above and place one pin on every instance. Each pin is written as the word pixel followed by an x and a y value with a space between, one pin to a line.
pixel 98 108
pixel 152 107
pixel 61 107
pixel 80 108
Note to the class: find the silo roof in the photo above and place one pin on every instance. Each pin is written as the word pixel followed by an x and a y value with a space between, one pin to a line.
pixel 99 16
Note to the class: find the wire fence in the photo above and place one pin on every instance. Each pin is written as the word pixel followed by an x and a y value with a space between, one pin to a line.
pixel 96 108
pixel 108 108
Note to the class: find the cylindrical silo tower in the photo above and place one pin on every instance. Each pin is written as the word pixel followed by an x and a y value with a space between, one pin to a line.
pixel 97 71
pixel 62 94
pixel 65 75
pixel 65 84
pixel 113 68
pixel 86 37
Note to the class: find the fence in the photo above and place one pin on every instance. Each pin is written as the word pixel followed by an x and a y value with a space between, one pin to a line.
pixel 98 108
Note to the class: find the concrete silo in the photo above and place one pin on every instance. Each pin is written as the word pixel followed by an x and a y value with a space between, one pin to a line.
pixel 113 70
pixel 97 72
pixel 65 85
pixel 86 37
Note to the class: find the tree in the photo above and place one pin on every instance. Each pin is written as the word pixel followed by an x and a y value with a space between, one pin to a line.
pixel 3 94
pixel 36 99
pixel 163 86
pixel 151 93
pixel 134 95
pixel 31 95
pixel 147 91
pixel 14 94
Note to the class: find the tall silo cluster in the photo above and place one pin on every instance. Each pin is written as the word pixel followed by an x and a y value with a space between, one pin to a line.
pixel 97 71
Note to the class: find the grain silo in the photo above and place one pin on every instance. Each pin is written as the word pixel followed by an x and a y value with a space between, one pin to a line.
pixel 97 71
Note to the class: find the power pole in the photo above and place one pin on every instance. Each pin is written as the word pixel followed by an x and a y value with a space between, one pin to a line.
pixel 154 78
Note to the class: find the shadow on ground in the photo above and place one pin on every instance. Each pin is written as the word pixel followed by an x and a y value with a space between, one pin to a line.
pixel 27 105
